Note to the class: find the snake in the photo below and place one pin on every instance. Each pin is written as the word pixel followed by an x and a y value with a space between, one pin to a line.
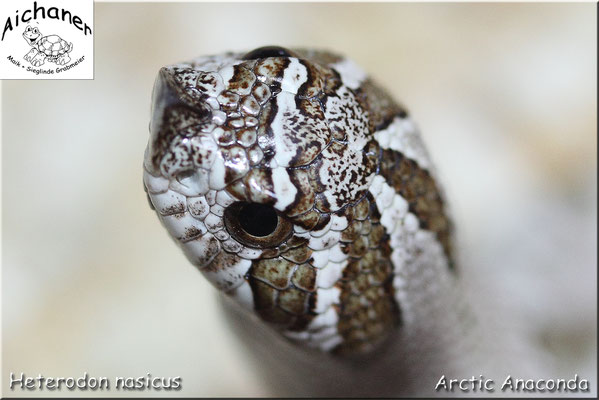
pixel 305 194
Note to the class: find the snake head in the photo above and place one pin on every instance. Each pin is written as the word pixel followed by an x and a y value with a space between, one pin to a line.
pixel 265 167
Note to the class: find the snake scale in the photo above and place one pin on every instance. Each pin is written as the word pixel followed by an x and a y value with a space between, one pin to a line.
pixel 303 191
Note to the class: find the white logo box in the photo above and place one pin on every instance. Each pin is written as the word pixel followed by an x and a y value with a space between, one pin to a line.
pixel 47 39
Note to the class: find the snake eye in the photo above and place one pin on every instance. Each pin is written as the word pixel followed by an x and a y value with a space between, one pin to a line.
pixel 256 225
pixel 268 51
pixel 258 219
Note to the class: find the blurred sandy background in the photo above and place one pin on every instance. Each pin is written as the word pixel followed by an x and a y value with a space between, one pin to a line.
pixel 505 96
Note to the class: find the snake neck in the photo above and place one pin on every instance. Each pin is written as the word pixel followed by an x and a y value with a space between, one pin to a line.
pixel 444 338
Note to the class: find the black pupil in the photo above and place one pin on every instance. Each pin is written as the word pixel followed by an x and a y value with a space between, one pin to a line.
pixel 267 51
pixel 258 219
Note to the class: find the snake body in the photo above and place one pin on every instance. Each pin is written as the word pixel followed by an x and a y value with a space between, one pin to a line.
pixel 304 192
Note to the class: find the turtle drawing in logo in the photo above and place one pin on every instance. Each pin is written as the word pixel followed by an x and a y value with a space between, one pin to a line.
pixel 51 48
